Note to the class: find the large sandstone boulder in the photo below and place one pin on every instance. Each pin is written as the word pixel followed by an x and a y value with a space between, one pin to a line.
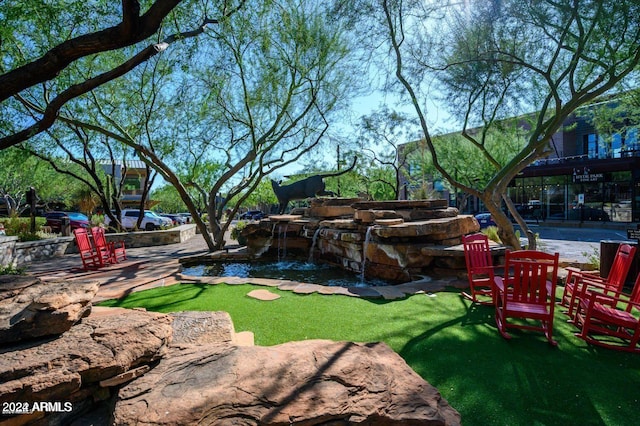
pixel 30 308
pixel 305 383
pixel 91 355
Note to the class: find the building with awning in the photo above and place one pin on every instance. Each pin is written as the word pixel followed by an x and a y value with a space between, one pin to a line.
pixel 588 177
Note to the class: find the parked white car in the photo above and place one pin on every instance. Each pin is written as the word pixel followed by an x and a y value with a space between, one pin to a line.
pixel 150 221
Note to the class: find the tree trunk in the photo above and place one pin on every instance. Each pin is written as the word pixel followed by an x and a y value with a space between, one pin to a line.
pixel 506 232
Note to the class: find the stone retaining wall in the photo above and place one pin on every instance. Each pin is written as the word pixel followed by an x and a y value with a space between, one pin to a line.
pixel 155 238
pixel 16 253
pixel 7 249
pixel 30 251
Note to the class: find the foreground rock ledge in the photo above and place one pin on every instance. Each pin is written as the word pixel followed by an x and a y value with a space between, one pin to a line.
pixel 306 383
pixel 30 308
pixel 70 367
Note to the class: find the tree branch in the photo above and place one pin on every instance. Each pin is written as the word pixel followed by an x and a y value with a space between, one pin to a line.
pixel 131 30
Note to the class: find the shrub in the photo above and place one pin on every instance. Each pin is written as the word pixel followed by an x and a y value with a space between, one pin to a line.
pixel 593 258
pixel 11 270
pixel 97 220
pixel 492 233
pixel 237 230
pixel 17 225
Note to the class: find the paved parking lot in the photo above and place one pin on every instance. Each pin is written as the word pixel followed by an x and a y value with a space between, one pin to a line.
pixel 577 243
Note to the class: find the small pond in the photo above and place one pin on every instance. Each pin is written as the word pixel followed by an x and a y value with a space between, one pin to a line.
pixel 292 270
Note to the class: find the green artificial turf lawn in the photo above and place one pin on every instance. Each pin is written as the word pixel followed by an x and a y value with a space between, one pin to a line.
pixel 452 344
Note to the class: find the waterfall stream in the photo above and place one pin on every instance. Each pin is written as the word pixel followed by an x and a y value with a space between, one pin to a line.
pixel 365 245
pixel 314 241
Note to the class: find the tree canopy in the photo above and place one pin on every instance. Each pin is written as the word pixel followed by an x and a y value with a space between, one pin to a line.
pixel 493 60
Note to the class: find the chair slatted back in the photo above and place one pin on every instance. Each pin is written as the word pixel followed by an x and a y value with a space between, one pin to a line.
pixel 99 238
pixel 82 239
pixel 620 267
pixel 529 271
pixel 476 252
pixel 635 294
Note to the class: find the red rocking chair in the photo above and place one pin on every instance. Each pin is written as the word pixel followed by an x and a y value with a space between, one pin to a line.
pixel 613 284
pixel 610 321
pixel 528 293
pixel 114 251
pixel 91 258
pixel 480 269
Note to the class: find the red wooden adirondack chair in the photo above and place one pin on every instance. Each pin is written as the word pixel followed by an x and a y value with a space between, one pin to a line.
pixel 114 251
pixel 612 284
pixel 610 321
pixel 91 259
pixel 480 269
pixel 528 293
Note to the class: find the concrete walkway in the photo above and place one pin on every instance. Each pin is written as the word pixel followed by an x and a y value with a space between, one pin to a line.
pixel 149 267
pixel 145 267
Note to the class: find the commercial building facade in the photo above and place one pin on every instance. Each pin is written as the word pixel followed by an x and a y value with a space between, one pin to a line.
pixel 587 178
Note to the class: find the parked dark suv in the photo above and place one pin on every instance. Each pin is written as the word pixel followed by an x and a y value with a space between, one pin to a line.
pixel 252 215
pixel 76 220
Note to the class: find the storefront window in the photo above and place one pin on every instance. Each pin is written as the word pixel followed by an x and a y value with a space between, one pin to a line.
pixel 586 202
pixel 555 197
pixel 617 203
pixel 530 205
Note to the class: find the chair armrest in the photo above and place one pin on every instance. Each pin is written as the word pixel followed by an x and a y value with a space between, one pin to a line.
pixel 575 273
pixel 575 270
pixel 610 300
pixel 595 282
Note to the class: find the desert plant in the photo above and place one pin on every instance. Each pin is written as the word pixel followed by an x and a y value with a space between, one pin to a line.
pixel 11 270
pixel 28 236
pixel 97 220
pixel 236 231
pixel 16 225
pixel 492 233
pixel 593 258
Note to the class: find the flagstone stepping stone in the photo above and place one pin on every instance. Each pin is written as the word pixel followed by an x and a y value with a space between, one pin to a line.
pixel 268 282
pixel 202 327
pixel 235 280
pixel 364 292
pixel 304 288
pixel 288 285
pixel 265 295
pixel 342 291
pixel 390 292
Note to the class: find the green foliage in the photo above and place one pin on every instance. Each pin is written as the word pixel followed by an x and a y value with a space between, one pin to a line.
pixel 492 233
pixel 593 258
pixel 262 196
pixel 11 270
pixel 450 343
pixel 20 170
pixel 42 235
pixel 236 230
pixel 20 227
pixel 169 200
pixel 15 225
pixel 462 159
pixel 97 219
